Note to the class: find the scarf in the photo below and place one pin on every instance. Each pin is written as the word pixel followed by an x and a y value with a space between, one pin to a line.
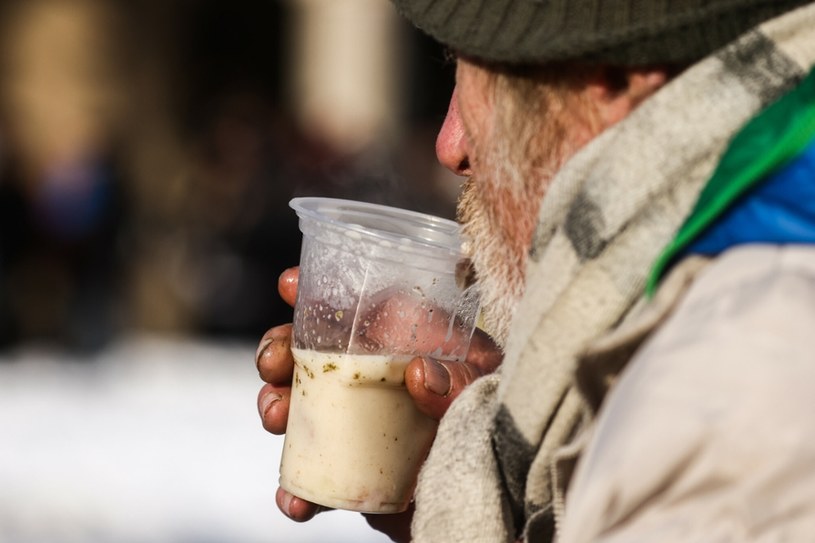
pixel 491 475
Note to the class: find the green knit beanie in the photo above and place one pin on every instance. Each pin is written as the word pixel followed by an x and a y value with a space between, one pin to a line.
pixel 621 32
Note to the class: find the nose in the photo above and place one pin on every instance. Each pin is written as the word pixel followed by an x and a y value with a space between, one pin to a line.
pixel 452 147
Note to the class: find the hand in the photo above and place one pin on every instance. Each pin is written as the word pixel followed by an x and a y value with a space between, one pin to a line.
pixel 433 385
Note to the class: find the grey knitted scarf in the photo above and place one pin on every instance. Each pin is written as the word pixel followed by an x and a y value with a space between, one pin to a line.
pixel 608 214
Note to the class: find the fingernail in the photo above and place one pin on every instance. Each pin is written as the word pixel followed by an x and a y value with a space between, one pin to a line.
pixel 285 503
pixel 267 401
pixel 436 377
pixel 262 347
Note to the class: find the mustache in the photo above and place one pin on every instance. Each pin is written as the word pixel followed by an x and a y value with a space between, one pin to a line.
pixel 465 273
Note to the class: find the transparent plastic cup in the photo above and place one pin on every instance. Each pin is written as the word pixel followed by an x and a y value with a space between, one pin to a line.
pixel 377 287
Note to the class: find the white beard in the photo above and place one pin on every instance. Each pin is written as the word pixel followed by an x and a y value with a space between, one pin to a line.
pixel 499 206
pixel 499 266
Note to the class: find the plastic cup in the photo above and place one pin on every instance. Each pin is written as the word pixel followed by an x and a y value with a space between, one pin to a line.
pixel 377 287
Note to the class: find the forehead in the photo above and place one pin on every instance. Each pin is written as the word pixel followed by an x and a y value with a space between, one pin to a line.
pixel 472 73
pixel 474 85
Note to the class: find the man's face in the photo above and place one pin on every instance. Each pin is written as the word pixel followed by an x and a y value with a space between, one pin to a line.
pixel 509 139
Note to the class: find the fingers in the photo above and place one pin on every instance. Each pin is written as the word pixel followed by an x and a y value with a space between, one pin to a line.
pixel 287 285
pixel 295 508
pixel 401 322
pixel 275 366
pixel 484 352
pixel 396 526
pixel 273 357
pixel 273 407
pixel 435 384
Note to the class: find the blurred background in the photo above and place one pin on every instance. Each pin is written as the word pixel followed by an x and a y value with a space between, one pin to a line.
pixel 148 151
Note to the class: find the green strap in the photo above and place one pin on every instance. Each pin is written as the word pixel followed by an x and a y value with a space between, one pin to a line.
pixel 770 140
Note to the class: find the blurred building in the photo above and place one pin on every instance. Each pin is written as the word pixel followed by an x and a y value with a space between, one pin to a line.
pixel 61 107
pixel 148 151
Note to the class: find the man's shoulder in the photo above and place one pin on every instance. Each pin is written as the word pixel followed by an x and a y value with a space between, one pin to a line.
pixel 756 273
pixel 751 299
pixel 710 421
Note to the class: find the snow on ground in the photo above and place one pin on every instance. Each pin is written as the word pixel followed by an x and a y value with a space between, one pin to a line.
pixel 154 440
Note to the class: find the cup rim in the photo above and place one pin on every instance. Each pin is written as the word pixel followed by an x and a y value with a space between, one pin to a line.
pixel 314 208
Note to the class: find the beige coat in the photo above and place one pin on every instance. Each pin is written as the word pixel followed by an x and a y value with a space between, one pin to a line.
pixel 709 433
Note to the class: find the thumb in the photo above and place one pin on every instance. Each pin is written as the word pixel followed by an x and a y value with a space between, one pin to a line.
pixel 287 285
pixel 434 384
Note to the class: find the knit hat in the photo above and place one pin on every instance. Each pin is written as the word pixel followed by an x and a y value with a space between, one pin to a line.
pixel 622 32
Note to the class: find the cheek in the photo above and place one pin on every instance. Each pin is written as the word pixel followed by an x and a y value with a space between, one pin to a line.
pixel 475 111
pixel 498 209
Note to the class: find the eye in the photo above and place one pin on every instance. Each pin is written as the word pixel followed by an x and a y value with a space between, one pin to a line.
pixel 450 56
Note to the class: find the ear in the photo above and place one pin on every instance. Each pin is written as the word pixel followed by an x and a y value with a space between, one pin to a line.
pixel 617 91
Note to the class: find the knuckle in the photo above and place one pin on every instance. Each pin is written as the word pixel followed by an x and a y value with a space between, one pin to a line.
pixel 273 408
pixel 274 360
pixel 463 374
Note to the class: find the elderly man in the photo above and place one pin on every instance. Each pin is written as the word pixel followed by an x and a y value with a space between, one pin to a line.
pixel 637 216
